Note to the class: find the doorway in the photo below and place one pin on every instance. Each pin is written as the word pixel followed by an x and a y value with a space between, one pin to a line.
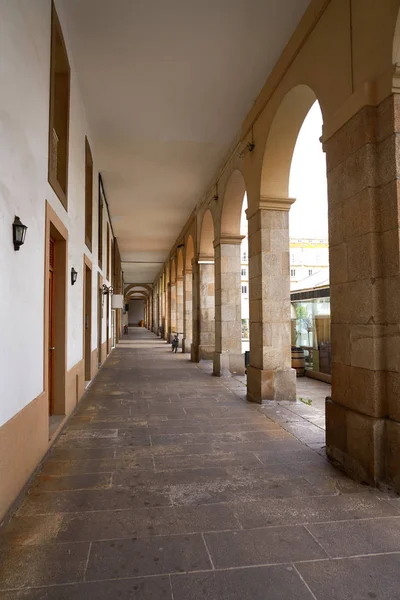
pixel 55 338
pixel 99 317
pixel 51 336
pixel 87 336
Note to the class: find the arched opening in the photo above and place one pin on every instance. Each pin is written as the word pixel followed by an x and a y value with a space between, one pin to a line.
pixel 179 296
pixel 309 256
pixel 270 374
pixel 187 295
pixel 204 296
pixel 229 289
pixel 172 301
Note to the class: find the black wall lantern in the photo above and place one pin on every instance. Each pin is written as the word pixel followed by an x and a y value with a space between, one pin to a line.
pixel 19 233
pixel 74 276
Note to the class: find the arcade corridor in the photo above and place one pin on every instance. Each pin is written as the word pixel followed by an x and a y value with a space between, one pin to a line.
pixel 166 485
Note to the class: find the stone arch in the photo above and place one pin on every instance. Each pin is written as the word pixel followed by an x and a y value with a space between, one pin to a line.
pixel 282 139
pixel 189 252
pixel 232 204
pixel 207 234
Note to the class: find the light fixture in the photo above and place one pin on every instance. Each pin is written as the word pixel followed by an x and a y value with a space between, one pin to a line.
pixel 74 275
pixel 215 197
pixel 19 233
pixel 107 290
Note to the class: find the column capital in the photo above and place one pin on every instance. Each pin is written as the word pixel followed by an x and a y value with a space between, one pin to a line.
pixel 203 259
pixel 266 203
pixel 179 278
pixel 235 240
pixel 187 272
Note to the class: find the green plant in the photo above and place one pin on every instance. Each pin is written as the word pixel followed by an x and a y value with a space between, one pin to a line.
pixel 307 401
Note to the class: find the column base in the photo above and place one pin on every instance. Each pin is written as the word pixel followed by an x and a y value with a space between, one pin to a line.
pixel 226 364
pixel 186 345
pixel 356 442
pixel 270 384
pixel 199 353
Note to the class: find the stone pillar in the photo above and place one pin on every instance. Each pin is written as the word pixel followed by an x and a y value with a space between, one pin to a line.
pixel 228 325
pixel 172 310
pixel 203 346
pixel 363 415
pixel 179 307
pixel 155 313
pixel 188 311
pixel 270 376
pixel 165 319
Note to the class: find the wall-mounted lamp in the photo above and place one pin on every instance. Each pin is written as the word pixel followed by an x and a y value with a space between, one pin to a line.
pixel 249 147
pixel 19 233
pixel 107 290
pixel 180 245
pixel 74 276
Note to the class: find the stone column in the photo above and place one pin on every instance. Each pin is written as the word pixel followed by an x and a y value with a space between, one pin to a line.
pixel 165 319
pixel 203 345
pixel 179 307
pixel 363 415
pixel 228 325
pixel 270 376
pixel 172 310
pixel 188 310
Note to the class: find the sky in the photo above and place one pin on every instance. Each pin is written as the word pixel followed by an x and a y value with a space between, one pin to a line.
pixel 308 216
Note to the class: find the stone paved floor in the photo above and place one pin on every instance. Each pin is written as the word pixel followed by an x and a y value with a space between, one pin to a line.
pixel 167 485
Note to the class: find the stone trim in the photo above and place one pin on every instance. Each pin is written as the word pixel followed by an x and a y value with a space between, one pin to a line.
pixel 229 239
pixel 281 204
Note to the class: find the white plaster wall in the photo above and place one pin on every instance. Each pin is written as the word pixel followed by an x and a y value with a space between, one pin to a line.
pixel 25 29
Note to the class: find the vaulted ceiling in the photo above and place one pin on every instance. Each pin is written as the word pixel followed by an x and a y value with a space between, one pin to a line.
pixel 166 85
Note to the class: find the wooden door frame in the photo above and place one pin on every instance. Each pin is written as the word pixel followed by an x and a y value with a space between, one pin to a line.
pixel 99 318
pixel 56 229
pixel 87 361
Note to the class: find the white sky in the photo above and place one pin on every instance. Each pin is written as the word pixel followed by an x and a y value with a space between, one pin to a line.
pixel 308 216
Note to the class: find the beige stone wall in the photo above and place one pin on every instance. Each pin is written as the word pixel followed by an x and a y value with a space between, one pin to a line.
pixel 188 310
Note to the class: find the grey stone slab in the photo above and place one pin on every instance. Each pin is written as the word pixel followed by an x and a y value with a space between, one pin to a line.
pixel 149 588
pixel 25 531
pixel 241 490
pixel 88 500
pixel 199 461
pixel 297 511
pixel 80 453
pixel 262 546
pixel 280 445
pixel 169 450
pixel 74 467
pixel 164 479
pixel 234 427
pixel 90 481
pixel 264 583
pixel 366 578
pixel 25 566
pixel 350 538
pixel 147 556
pixel 291 456
pixel 106 525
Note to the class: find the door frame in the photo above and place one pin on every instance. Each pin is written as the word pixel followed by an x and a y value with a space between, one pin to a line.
pixel 55 229
pixel 87 353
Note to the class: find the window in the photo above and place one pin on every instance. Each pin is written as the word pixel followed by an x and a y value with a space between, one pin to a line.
pixel 310 271
pixel 244 271
pixel 292 258
pixel 100 226
pixel 88 195
pixel 292 272
pixel 244 256
pixel 59 112
pixel 244 289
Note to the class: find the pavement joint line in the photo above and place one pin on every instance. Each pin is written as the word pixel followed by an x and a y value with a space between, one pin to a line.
pixel 208 551
pixel 304 582
pixel 87 562
pixel 316 541
pixel 217 570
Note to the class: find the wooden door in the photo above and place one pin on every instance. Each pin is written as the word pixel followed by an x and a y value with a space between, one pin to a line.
pixel 88 324
pixel 51 329
pixel 99 318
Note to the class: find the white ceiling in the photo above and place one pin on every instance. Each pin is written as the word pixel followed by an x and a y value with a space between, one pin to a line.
pixel 166 85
